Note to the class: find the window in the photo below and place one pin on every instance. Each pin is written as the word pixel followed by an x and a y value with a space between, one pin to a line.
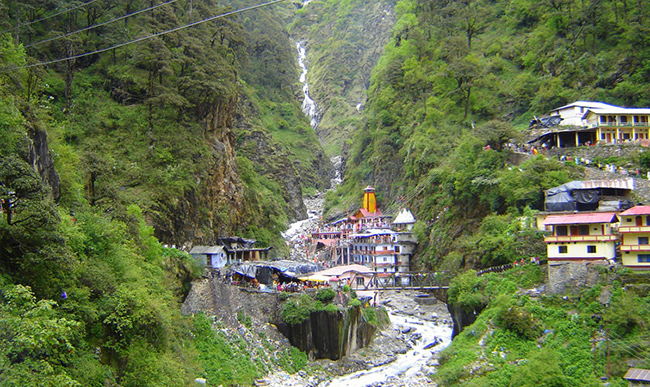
pixel 643 258
pixel 583 230
pixel 562 249
pixel 643 240
pixel 360 281
pixel 560 230
pixel 591 249
pixel 647 220
pixel 397 249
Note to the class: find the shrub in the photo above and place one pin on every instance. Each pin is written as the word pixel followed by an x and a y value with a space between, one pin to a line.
pixel 297 311
pixel 517 320
pixel 325 295
pixel 332 308
pixel 354 303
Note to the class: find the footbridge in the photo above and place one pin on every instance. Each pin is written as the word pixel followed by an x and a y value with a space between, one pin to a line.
pixel 405 281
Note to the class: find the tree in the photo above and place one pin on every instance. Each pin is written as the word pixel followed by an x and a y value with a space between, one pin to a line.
pixel 36 343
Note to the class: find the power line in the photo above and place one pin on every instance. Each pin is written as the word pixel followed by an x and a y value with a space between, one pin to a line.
pixel 144 38
pixel 100 24
pixel 51 16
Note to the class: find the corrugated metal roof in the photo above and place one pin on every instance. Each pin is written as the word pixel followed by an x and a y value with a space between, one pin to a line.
pixel 617 111
pixel 617 183
pixel 206 250
pixel 638 374
pixel 586 218
pixel 637 210
pixel 587 104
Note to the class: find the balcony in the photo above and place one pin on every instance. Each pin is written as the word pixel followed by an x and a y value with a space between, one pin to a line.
pixel 631 229
pixel 580 238
pixel 618 125
pixel 639 248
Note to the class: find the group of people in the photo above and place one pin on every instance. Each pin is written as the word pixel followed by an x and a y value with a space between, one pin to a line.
pixel 295 287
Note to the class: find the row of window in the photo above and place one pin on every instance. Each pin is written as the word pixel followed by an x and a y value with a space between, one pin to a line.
pixel 591 249
pixel 641 258
pixel 575 230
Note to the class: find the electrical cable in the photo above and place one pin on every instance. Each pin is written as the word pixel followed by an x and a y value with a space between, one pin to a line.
pixel 100 24
pixel 51 16
pixel 144 37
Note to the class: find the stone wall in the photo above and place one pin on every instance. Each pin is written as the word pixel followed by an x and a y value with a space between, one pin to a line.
pixel 215 298
pixel 325 335
pixel 572 277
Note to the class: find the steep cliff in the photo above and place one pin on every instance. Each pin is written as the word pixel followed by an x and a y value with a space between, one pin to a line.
pixel 39 155
pixel 330 335
pixel 324 335
pixel 344 41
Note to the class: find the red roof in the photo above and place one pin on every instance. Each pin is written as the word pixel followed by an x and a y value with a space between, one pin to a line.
pixel 637 210
pixel 591 217
pixel 366 214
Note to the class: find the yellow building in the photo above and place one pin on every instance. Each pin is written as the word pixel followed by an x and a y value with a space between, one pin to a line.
pixel 590 123
pixel 635 234
pixel 584 237
pixel 618 124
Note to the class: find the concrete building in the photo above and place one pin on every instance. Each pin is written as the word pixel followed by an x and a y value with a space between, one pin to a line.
pixel 635 236
pixel 590 123
pixel 581 237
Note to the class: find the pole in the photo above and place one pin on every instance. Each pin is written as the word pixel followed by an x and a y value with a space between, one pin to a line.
pixel 608 364
pixel 593 341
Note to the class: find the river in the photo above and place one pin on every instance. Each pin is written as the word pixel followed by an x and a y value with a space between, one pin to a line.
pixel 409 368
pixel 426 329
pixel 416 320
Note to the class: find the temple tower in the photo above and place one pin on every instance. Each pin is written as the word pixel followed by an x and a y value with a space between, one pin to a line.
pixel 369 200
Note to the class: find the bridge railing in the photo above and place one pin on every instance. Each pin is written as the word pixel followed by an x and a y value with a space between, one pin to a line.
pixel 408 280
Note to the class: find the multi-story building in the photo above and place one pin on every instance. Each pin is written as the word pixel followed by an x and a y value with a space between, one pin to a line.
pixel 586 237
pixel 368 238
pixel 590 123
pixel 635 237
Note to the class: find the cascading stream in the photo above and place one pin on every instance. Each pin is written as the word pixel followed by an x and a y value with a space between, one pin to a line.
pixel 308 105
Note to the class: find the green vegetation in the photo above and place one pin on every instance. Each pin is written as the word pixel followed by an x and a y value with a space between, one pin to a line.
pixel 325 294
pixel 181 138
pixel 458 76
pixel 296 309
pixel 228 359
pixel 553 340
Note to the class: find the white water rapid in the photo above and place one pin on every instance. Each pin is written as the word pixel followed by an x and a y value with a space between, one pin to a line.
pixel 308 105
pixel 407 366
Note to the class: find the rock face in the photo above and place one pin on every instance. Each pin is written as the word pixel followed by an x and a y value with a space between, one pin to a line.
pixel 462 317
pixel 216 207
pixel 41 159
pixel 330 335
pixel 274 163
pixel 215 298
pixel 573 277
pixel 325 335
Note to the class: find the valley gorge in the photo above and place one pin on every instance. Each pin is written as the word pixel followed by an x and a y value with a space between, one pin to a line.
pixel 133 131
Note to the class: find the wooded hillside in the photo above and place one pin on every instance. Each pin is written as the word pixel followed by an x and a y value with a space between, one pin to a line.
pixel 459 75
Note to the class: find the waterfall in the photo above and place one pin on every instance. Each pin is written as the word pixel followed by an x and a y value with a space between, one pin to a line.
pixel 308 105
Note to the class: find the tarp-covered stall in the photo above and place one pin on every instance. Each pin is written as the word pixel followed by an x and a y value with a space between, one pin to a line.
pixel 586 195
pixel 286 271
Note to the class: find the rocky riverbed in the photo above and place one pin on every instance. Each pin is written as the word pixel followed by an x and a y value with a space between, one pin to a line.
pixel 397 340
